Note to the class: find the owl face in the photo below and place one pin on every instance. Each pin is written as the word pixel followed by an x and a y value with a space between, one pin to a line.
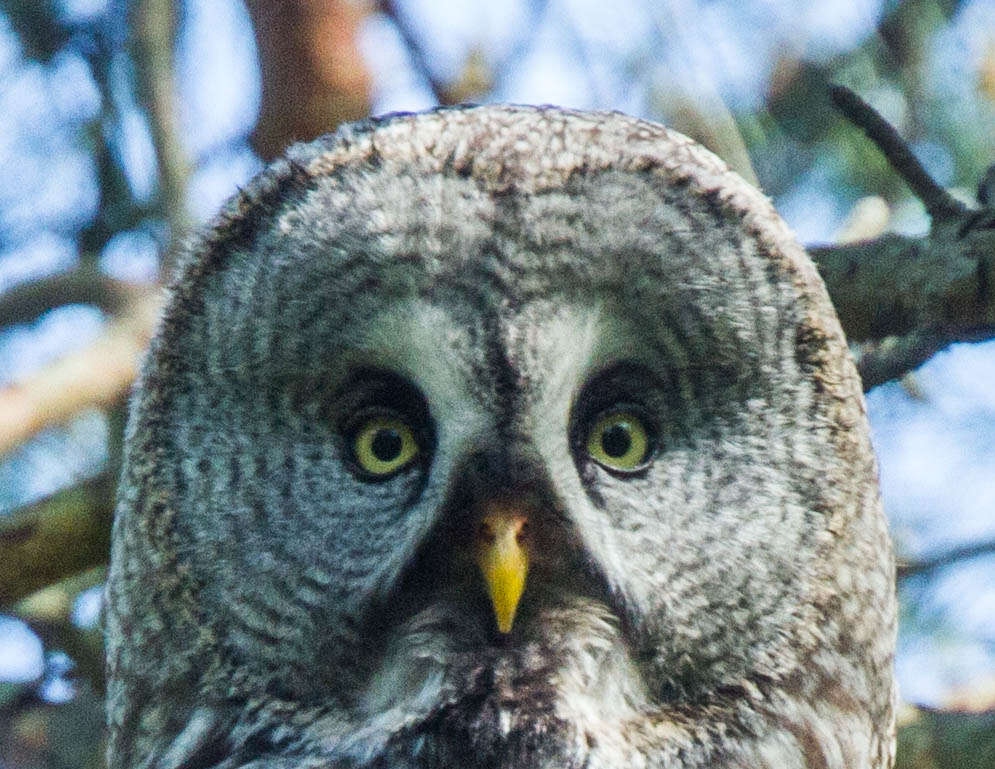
pixel 539 462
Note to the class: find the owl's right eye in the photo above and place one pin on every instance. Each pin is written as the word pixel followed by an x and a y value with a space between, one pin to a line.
pixel 383 445
pixel 619 440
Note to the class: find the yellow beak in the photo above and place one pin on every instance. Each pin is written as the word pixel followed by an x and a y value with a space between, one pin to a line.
pixel 504 563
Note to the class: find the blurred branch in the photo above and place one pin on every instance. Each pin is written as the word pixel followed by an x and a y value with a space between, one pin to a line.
pixel 926 566
pixel 154 38
pixel 476 78
pixel 419 58
pixel 99 374
pixel 313 74
pixel 85 285
pixel 55 538
pixel 36 24
pixel 49 614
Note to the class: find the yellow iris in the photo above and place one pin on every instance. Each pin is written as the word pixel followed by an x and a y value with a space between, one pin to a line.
pixel 619 441
pixel 383 445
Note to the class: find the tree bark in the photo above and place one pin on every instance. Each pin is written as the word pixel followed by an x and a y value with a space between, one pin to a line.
pixel 313 73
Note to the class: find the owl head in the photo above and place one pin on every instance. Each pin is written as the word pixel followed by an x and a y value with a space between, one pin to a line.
pixel 499 437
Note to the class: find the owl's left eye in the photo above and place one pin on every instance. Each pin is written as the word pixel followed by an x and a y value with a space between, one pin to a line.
pixel 382 445
pixel 619 440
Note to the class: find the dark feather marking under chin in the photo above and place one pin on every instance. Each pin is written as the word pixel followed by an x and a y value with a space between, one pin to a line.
pixel 486 727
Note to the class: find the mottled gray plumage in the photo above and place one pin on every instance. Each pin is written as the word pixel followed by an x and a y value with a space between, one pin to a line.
pixel 500 276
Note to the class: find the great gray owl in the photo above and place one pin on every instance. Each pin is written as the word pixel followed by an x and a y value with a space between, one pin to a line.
pixel 499 437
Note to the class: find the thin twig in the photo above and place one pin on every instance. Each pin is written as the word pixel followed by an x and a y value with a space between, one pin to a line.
pixel 939 203
pixel 530 30
pixel 419 58
pixel 908 569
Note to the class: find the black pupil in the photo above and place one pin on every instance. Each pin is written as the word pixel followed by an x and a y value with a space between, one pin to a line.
pixel 616 440
pixel 386 444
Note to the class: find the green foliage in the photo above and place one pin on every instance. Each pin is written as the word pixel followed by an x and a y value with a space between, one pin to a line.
pixel 937 739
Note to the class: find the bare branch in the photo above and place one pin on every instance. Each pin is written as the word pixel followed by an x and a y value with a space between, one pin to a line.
pixel 155 33
pixel 894 285
pixel 85 285
pixel 901 300
pixel 419 58
pixel 927 566
pixel 53 539
pixel 939 203
pixel 99 374
pixel 894 356
pixel 313 74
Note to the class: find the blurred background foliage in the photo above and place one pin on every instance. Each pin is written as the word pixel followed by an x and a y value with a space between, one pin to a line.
pixel 125 124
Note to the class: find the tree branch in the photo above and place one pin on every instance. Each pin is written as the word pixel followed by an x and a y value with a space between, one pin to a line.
pixel 155 32
pixel 894 356
pixel 419 58
pixel 85 285
pixel 895 285
pixel 939 203
pixel 53 539
pixel 99 374
pixel 313 74
pixel 927 566
pixel 901 300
